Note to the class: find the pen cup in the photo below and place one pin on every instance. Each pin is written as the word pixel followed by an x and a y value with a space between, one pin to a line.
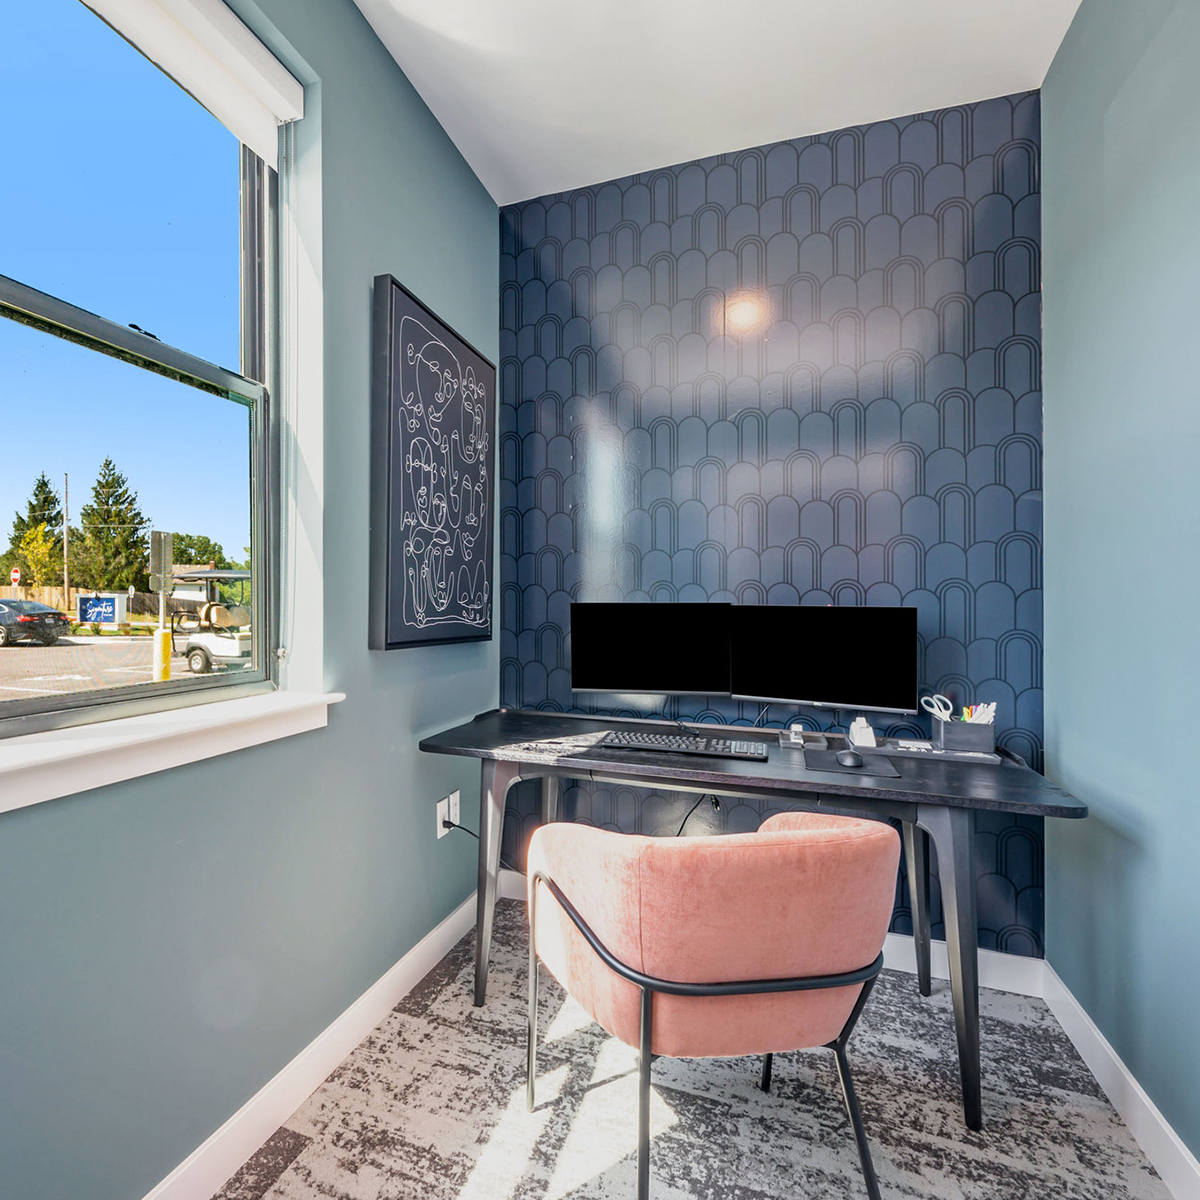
pixel 963 735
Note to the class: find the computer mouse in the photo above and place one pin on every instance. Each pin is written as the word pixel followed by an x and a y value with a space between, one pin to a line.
pixel 850 758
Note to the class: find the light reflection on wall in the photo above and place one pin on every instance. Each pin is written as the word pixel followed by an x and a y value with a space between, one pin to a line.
pixel 746 313
pixel 609 495
pixel 607 498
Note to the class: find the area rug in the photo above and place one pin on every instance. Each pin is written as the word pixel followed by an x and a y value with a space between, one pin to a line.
pixel 431 1106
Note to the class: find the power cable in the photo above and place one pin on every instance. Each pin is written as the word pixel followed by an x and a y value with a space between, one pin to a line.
pixel 716 803
pixel 448 824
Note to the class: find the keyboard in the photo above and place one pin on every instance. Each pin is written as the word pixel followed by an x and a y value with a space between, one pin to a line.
pixel 678 743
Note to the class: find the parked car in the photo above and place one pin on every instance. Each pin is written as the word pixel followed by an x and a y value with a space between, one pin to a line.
pixel 27 619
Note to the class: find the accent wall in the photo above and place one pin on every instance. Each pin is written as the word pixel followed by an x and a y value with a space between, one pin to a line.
pixel 805 373
pixel 1122 102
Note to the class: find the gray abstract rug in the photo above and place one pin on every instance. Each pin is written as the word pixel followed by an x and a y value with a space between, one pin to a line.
pixel 432 1106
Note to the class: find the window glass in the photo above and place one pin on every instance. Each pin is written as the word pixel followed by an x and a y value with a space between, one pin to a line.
pixel 122 198
pixel 121 191
pixel 110 451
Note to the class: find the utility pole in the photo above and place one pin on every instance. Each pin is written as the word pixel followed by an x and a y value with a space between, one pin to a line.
pixel 66 545
pixel 161 558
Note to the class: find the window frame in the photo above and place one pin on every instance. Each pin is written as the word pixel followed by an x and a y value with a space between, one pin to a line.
pixel 259 308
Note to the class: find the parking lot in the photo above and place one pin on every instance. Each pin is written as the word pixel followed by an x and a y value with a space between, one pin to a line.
pixel 78 664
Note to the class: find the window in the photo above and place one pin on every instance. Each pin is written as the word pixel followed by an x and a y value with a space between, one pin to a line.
pixel 132 202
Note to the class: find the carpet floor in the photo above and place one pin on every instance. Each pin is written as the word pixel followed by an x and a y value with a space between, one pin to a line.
pixel 432 1106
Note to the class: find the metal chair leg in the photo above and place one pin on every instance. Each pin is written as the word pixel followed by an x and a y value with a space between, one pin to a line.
pixel 860 1133
pixel 531 1044
pixel 644 1060
pixel 765 1082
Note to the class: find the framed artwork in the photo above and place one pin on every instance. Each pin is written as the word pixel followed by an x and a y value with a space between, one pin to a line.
pixel 433 486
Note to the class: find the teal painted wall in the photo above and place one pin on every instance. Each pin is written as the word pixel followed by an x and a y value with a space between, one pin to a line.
pixel 1121 234
pixel 168 945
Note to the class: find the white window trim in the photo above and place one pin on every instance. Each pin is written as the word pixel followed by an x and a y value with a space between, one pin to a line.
pixel 55 763
pixel 300 407
pixel 62 762
pixel 207 50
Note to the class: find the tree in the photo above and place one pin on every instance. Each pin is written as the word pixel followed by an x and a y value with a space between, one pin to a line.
pixel 196 550
pixel 42 508
pixel 115 551
pixel 42 555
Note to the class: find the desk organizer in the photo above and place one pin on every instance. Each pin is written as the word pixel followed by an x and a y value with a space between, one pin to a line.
pixel 963 735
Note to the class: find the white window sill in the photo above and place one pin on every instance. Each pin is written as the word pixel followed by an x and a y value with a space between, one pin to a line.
pixel 61 762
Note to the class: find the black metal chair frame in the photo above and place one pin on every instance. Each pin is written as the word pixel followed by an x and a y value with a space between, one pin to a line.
pixel 649 985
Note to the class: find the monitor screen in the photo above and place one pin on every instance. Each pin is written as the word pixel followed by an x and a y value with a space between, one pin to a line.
pixel 657 649
pixel 826 656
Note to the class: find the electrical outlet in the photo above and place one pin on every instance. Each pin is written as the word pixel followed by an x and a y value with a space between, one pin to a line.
pixel 455 807
pixel 443 814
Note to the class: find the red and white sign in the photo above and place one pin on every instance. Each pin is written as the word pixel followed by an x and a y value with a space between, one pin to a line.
pixel 15 576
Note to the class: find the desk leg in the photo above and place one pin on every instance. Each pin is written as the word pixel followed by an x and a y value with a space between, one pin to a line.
pixel 951 830
pixel 497 778
pixel 549 799
pixel 916 861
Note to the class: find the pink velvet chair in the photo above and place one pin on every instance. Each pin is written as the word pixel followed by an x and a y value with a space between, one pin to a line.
pixel 705 947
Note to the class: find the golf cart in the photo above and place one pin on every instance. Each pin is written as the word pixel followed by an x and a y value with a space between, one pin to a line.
pixel 217 635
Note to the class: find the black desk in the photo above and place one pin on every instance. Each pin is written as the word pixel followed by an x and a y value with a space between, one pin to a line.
pixel 937 798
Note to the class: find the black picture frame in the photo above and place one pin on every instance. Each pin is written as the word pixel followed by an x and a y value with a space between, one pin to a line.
pixel 433 478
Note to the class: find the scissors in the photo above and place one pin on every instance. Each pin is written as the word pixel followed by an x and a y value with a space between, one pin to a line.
pixel 939 705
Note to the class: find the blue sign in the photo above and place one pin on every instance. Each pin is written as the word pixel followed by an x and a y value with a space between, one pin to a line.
pixel 98 610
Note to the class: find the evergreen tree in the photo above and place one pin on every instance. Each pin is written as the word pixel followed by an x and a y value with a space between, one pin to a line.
pixel 115 550
pixel 42 508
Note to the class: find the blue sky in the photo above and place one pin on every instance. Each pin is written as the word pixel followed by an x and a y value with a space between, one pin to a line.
pixel 121 196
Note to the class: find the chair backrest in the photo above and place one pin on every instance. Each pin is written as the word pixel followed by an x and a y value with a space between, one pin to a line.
pixel 809 894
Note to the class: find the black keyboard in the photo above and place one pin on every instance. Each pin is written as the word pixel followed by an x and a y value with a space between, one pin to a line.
pixel 678 743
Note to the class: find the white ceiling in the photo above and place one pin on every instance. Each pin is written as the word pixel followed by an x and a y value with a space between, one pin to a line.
pixel 546 95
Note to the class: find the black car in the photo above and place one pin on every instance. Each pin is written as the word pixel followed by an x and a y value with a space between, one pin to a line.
pixel 21 619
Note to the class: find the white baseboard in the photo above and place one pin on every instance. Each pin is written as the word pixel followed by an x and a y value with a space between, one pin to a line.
pixel 511 885
pixel 1001 972
pixel 211 1165
pixel 1176 1164
pixel 204 1171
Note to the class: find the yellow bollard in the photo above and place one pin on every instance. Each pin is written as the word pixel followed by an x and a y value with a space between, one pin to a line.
pixel 162 656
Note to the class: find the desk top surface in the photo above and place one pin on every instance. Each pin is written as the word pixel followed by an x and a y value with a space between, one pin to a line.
pixel 567 744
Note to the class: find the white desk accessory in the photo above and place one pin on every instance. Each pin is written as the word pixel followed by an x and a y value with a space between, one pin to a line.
pixel 861 733
pixel 799 738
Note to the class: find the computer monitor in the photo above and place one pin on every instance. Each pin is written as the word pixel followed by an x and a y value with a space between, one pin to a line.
pixel 651 649
pixel 827 656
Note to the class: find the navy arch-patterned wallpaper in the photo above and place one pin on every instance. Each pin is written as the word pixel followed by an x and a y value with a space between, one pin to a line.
pixel 803 373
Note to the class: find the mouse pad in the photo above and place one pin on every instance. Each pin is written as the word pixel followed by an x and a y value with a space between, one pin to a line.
pixel 873 764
